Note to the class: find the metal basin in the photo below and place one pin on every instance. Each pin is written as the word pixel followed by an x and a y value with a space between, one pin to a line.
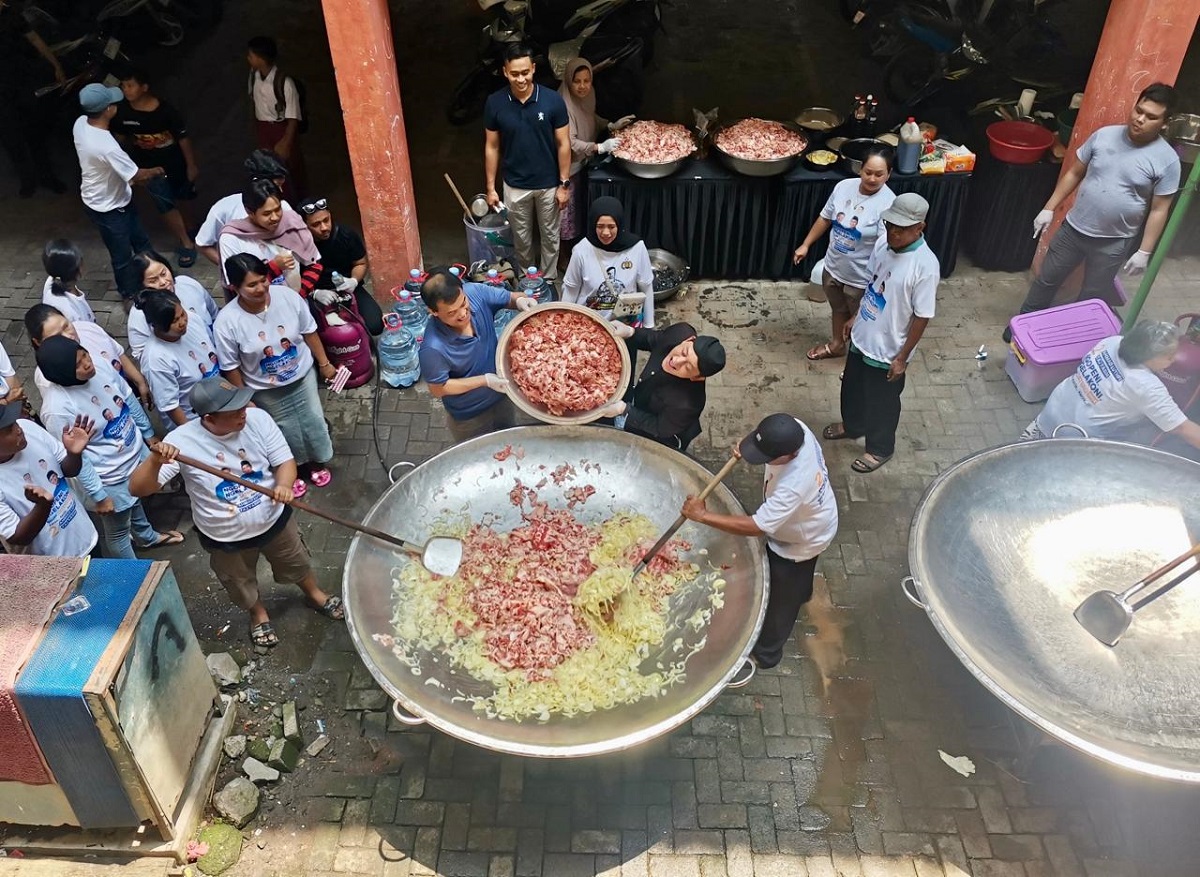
pixel 1183 132
pixel 756 168
pixel 636 474
pixel 661 259
pixel 1006 543
pixel 854 151
pixel 650 171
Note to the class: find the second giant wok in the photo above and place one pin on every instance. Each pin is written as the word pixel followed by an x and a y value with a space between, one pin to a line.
pixel 636 474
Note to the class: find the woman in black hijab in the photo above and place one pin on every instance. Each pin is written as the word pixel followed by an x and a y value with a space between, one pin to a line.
pixel 610 268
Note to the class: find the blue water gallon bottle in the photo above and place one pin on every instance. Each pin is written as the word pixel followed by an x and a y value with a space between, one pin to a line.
pixel 399 365
pixel 536 285
pixel 410 307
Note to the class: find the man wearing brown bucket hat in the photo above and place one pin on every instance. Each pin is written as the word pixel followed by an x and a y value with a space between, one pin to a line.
pixel 892 315
pixel 798 517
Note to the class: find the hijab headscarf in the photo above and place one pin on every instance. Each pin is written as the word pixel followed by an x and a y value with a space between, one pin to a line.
pixel 581 112
pixel 291 234
pixel 57 357
pixel 609 206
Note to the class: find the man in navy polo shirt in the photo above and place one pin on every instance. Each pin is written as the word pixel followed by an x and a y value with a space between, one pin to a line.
pixel 527 138
pixel 458 352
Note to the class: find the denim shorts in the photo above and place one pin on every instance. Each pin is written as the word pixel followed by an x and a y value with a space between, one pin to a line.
pixel 167 190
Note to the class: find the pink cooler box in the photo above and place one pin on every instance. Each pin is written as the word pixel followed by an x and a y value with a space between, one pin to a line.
pixel 1048 345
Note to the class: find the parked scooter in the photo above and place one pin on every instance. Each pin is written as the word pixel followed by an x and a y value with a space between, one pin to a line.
pixel 616 36
pixel 1009 38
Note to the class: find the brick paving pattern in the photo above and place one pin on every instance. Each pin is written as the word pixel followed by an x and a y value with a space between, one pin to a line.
pixel 827 765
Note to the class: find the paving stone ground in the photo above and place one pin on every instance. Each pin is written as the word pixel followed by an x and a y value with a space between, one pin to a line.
pixel 827 765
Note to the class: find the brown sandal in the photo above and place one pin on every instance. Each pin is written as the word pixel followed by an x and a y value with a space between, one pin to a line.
pixel 823 351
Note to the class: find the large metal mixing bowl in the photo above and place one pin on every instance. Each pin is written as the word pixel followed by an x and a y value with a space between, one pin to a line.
pixel 636 474
pixel 1006 543
pixel 648 171
pixel 759 168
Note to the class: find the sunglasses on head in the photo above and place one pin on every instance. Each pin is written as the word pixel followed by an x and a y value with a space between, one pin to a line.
pixel 308 208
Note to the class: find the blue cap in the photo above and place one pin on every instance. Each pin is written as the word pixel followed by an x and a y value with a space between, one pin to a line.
pixel 95 97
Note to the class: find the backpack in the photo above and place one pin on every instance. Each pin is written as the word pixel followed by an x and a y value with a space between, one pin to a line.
pixel 281 79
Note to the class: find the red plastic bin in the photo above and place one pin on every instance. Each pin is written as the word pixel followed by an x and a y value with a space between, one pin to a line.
pixel 1018 142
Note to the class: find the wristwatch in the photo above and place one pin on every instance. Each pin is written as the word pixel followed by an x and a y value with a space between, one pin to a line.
pixel 564 184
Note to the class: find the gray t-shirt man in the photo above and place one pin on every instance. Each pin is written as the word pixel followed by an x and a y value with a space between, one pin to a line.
pixel 1121 179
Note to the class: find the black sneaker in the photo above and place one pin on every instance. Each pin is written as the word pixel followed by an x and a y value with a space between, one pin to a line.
pixel 743 675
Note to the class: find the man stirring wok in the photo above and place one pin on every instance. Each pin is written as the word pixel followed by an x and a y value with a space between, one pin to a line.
pixel 798 516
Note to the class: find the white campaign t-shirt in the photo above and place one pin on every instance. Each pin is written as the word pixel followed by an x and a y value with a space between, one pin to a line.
pixel 116 446
pixel 222 510
pixel 69 532
pixel 195 300
pixel 106 354
pixel 74 307
pixel 231 245
pixel 799 512
pixel 172 367
pixel 269 347
pixel 856 227
pixel 225 211
pixel 901 286
pixel 263 93
pixel 1110 398
pixel 6 371
pixel 595 278
pixel 105 168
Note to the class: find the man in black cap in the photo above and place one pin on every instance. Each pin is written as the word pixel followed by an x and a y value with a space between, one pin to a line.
pixel 235 524
pixel 798 516
pixel 666 402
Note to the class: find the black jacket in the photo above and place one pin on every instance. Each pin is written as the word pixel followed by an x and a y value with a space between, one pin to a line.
pixel 662 406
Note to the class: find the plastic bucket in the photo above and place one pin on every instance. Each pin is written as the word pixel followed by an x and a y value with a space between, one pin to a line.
pixel 1018 142
pixel 490 244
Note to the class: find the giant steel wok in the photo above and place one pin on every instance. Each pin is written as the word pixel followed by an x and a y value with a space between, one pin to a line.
pixel 1006 543
pixel 636 474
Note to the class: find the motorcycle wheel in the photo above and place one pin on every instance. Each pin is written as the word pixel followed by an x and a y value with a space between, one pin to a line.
pixel 466 103
pixel 909 76
pixel 170 28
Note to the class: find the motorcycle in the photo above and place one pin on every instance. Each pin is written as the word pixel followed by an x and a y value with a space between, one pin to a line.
pixel 616 36
pixel 1010 40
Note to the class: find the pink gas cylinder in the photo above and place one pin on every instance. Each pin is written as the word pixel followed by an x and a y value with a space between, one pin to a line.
pixel 346 340
pixel 1182 377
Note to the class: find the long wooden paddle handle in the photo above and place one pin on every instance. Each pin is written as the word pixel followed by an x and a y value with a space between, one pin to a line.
pixel 681 520
pixel 295 503
pixel 462 203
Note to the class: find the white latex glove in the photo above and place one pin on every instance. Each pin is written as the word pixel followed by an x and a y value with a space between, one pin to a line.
pixel 324 297
pixel 621 330
pixel 608 145
pixel 1041 222
pixel 496 383
pixel 526 303
pixel 622 122
pixel 613 409
pixel 1137 262
pixel 348 284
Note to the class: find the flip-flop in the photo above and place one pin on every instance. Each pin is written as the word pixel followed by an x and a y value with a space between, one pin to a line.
pixel 299 488
pixel 823 351
pixel 833 433
pixel 185 257
pixel 320 477
pixel 171 537
pixel 864 466
pixel 263 635
pixel 331 608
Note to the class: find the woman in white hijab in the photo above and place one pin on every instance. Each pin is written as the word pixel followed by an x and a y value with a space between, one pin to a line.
pixel 576 91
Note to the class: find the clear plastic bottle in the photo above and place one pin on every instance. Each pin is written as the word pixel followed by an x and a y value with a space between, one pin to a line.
pixel 399 365
pixel 410 307
pixel 533 283
pixel 908 153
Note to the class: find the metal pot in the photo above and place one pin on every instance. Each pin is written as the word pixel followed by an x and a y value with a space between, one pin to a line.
pixel 854 151
pixel 650 171
pixel 537 411
pixel 1183 132
pixel 819 120
pixel 754 168
pixel 662 260
pixel 1007 542
pixel 635 473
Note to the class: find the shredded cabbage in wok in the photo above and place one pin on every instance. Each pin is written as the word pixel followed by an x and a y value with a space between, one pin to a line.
pixel 628 620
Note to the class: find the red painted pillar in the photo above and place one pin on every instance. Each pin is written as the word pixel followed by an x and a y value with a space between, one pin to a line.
pixel 360 41
pixel 1144 41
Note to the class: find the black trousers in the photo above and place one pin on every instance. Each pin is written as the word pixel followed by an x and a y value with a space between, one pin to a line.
pixel 791 587
pixel 871 404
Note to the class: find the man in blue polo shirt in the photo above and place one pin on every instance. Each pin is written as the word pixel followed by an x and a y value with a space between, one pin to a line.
pixel 527 139
pixel 458 352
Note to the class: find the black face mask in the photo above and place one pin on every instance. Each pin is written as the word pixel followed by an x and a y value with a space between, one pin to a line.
pixel 611 207
pixel 58 358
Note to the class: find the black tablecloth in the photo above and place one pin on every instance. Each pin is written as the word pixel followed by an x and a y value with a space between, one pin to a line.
pixel 727 225
pixel 1004 200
